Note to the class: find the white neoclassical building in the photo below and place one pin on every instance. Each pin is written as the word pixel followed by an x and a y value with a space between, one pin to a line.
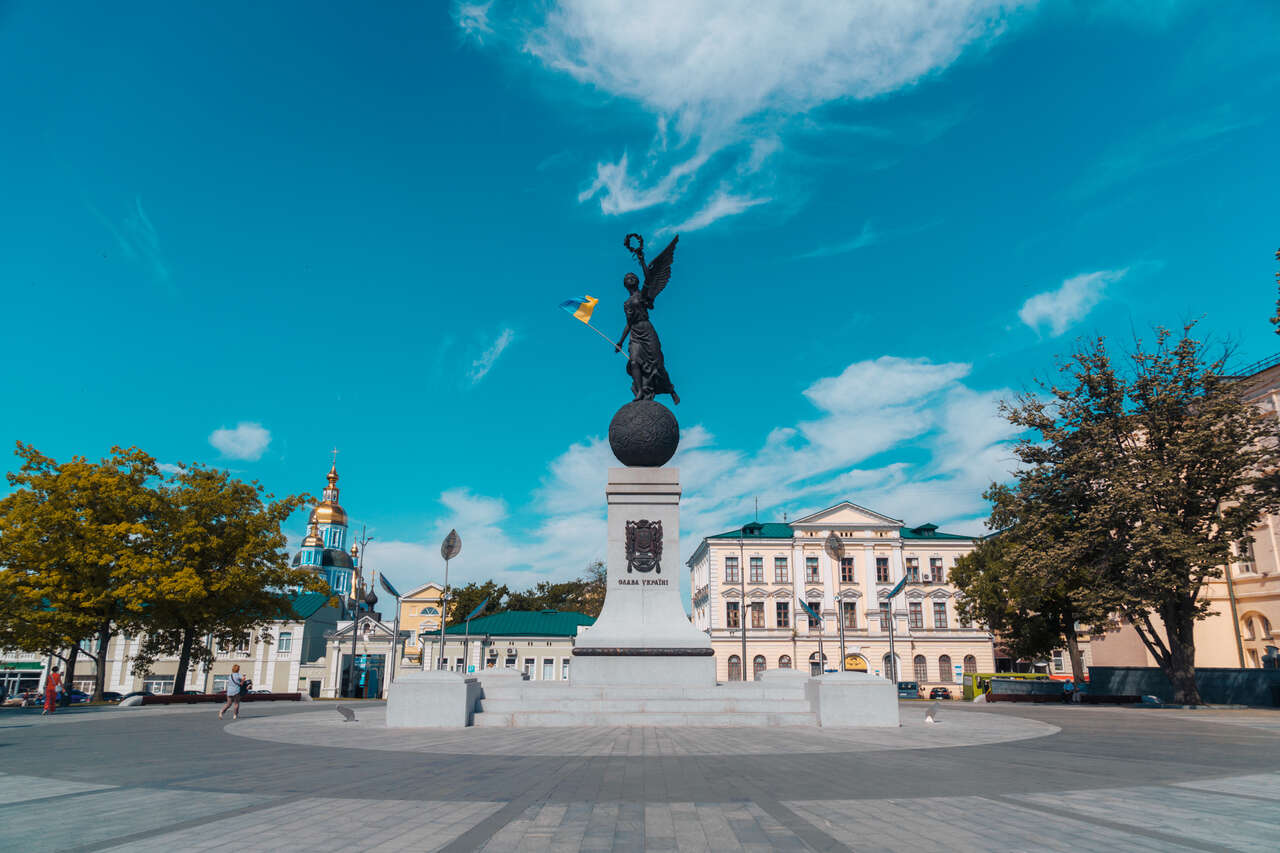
pixel 750 582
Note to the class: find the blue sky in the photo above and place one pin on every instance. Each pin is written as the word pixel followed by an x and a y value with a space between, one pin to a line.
pixel 244 238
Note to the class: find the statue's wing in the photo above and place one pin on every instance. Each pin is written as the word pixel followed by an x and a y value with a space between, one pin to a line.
pixel 659 271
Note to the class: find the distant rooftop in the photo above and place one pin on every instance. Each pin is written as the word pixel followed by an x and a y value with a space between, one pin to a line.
pixel 781 530
pixel 527 623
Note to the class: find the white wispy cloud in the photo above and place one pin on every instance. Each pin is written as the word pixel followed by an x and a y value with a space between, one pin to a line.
pixel 247 441
pixel 138 240
pixel 482 365
pixel 473 18
pixel 169 468
pixel 869 409
pixel 866 237
pixel 1062 307
pixel 716 77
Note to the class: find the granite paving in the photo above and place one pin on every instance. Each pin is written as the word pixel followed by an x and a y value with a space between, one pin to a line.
pixel 294 776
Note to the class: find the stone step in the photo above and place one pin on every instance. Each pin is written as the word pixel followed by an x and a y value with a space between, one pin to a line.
pixel 719 704
pixel 562 691
pixel 574 719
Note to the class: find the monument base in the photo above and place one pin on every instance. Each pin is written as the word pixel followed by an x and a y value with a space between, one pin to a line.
pixel 633 669
pixel 434 699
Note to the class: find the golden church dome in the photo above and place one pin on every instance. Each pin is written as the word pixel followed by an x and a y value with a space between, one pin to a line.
pixel 328 512
pixel 312 539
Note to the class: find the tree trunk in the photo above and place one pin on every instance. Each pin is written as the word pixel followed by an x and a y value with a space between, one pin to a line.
pixel 70 674
pixel 1181 666
pixel 1077 663
pixel 100 660
pixel 184 662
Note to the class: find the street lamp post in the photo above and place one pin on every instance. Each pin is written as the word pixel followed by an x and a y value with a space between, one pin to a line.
pixel 834 547
pixel 449 548
pixel 356 586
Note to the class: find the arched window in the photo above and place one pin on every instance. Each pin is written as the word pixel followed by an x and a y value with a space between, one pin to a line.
pixel 735 668
pixel 1266 627
pixel 1248 628
pixel 816 666
pixel 921 669
pixel 887 668
pixel 970 664
pixel 429 611
pixel 757 667
pixel 784 662
pixel 944 668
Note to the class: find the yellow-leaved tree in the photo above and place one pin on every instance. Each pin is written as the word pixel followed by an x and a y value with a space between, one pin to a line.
pixel 224 571
pixel 77 553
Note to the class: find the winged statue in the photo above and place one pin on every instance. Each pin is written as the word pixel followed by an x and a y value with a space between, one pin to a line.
pixel 645 364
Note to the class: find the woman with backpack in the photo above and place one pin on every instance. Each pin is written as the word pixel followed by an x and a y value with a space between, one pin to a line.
pixel 235 688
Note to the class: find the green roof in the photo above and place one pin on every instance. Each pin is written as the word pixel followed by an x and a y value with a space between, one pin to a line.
pixel 930 531
pixel 305 604
pixel 779 530
pixel 526 623
pixel 758 530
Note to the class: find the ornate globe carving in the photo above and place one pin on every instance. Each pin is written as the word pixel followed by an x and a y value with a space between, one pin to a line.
pixel 644 434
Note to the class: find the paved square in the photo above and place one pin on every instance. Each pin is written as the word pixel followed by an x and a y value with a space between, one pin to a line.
pixel 297 777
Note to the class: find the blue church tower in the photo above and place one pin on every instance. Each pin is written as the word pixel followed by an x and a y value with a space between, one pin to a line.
pixel 326 537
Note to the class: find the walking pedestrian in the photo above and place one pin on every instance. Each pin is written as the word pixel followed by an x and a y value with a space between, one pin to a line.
pixel 52 685
pixel 235 687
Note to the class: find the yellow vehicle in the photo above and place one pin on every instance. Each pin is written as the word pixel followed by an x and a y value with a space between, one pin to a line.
pixel 979 683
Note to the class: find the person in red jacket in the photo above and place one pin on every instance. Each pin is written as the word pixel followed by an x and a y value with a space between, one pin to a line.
pixel 52 684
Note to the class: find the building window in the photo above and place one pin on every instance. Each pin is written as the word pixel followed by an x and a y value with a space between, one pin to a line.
pixel 510 662
pixel 757 667
pixel 1057 660
pixel 846 570
pixel 850 611
pixel 965 621
pixel 731 574
pixel 285 643
pixel 780 570
pixel 816 664
pixel 921 669
pixel 548 669
pixel 757 569
pixel 915 615
pixel 882 569
pixel 939 614
pixel 731 615
pixel 528 667
pixel 757 614
pixel 815 624
pixel 735 668
pixel 970 664
pixel 811 570
pixel 888 668
pixel 564 669
pixel 784 662
pixel 784 614
pixel 944 668
pixel 884 616
pixel 1254 660
pixel 158 684
pixel 220 684
pixel 913 569
pixel 935 570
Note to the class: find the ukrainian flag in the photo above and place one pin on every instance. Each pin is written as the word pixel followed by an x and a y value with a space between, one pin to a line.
pixel 581 308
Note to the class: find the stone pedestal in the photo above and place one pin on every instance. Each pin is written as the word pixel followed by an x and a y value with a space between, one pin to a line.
pixel 434 699
pixel 643 635
pixel 844 699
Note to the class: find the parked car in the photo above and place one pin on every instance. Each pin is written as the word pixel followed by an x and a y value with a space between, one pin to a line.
pixel 193 693
pixel 939 693
pixel 74 695
pixel 24 699
pixel 112 696
pixel 908 690
pixel 259 691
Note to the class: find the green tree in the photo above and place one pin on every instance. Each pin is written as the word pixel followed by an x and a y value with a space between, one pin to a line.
pixel 583 595
pixel 1145 478
pixel 464 599
pixel 78 549
pixel 225 572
